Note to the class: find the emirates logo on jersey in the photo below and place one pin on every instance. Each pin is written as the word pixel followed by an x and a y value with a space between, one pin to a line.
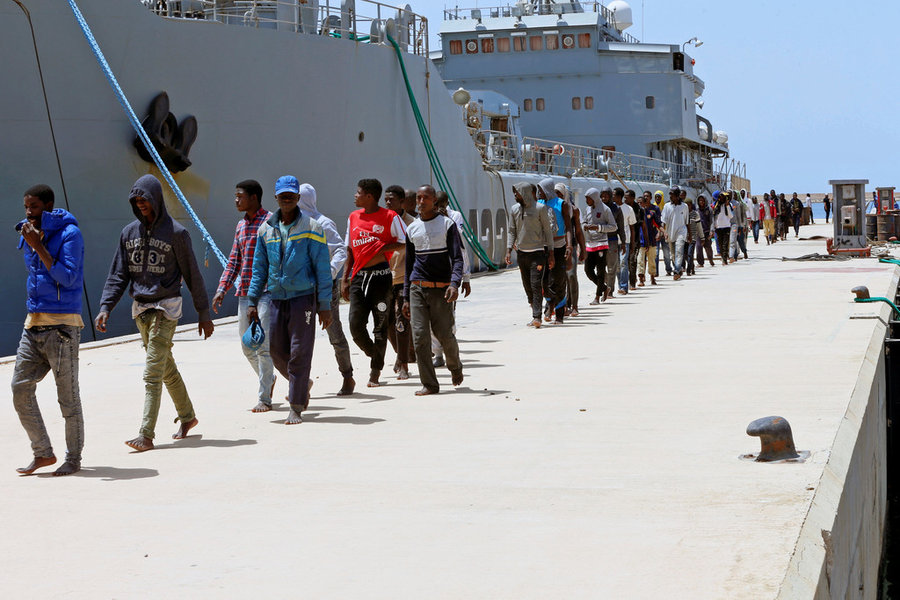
pixel 376 228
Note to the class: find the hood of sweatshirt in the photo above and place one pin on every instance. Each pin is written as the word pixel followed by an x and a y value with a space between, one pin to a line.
pixel 149 188
pixel 547 186
pixel 307 201
pixel 526 192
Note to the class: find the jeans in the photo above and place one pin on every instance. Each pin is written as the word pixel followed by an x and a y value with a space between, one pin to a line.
pixel 632 267
pixel 754 226
pixel 624 263
pixel 742 241
pixel 732 242
pixel 796 219
pixel 676 248
pixel 531 268
pixel 260 359
pixel 41 350
pixel 647 260
pixel 572 281
pixel 159 369
pixel 431 313
pixel 371 292
pixel 667 257
pixel 706 245
pixel 293 338
pixel 612 266
pixel 689 255
pixel 336 332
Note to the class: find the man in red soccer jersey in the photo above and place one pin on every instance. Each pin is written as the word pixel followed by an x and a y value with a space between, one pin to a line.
pixel 374 233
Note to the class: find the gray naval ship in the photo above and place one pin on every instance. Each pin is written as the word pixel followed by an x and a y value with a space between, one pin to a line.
pixel 235 89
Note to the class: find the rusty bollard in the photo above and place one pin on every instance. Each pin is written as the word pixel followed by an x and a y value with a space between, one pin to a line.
pixel 861 291
pixel 774 434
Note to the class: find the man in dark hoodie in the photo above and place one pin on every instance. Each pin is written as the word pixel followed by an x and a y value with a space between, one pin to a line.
pixel 54 255
pixel 153 256
pixel 531 236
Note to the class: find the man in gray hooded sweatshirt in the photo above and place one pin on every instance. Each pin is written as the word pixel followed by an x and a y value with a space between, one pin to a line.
pixel 531 236
pixel 153 256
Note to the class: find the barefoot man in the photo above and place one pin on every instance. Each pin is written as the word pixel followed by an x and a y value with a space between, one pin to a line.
pixel 54 255
pixel 434 271
pixel 293 263
pixel 153 256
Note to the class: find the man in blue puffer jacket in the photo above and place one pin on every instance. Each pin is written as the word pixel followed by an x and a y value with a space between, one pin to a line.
pixel 54 255
pixel 293 262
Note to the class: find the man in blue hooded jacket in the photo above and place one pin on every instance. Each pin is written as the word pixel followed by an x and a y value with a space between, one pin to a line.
pixel 54 255
pixel 153 257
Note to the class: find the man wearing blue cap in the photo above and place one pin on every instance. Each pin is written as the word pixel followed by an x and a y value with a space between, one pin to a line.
pixel 293 263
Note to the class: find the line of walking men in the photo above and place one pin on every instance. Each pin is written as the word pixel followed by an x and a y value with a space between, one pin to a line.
pixel 403 265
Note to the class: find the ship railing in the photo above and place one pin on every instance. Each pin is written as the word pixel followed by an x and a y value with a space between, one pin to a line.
pixel 364 21
pixel 528 9
pixel 499 149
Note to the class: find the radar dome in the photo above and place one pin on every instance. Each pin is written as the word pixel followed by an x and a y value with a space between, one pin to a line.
pixel 622 12
pixel 721 137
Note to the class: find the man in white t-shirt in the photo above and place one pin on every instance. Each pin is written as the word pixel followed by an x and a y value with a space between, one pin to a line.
pixel 808 204
pixel 626 249
pixel 675 231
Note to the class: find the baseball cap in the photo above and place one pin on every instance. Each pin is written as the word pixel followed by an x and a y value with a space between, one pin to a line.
pixel 255 335
pixel 674 189
pixel 287 183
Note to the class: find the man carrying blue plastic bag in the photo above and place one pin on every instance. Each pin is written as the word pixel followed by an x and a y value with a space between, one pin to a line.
pixel 293 263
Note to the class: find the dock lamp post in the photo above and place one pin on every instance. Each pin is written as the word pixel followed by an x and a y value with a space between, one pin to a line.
pixel 695 41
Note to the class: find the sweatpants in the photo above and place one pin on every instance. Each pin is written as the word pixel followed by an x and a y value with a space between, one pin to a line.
pixel 594 263
pixel 723 235
pixel 292 337
pixel 611 267
pixel 399 333
pixel 336 332
pixel 706 245
pixel 572 282
pixel 371 292
pixel 554 284
pixel 531 268
pixel 431 313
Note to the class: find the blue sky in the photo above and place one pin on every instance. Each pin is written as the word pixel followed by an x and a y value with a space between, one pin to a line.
pixel 807 90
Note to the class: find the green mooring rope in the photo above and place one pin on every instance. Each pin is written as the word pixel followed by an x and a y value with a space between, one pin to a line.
pixel 441 176
pixel 879 299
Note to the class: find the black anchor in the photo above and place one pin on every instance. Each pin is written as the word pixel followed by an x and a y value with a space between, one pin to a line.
pixel 172 140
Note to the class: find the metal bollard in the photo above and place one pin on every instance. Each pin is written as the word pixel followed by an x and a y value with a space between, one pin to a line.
pixel 774 434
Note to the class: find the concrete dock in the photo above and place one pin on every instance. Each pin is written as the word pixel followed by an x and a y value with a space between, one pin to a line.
pixel 597 459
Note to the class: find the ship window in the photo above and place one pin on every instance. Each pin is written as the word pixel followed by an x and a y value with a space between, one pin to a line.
pixel 487 45
pixel 455 46
pixel 584 40
pixel 568 42
pixel 519 44
pixel 576 103
pixel 552 42
pixel 502 44
pixel 588 103
pixel 471 47
pixel 527 104
pixel 650 101
pixel 536 42
pixel 539 104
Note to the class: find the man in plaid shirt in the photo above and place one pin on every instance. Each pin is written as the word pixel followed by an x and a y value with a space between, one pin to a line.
pixel 248 200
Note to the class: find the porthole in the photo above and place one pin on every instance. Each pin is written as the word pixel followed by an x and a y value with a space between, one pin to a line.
pixel 568 41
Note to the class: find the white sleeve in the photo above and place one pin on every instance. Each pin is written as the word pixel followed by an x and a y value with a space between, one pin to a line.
pixel 398 229
pixel 467 269
pixel 347 235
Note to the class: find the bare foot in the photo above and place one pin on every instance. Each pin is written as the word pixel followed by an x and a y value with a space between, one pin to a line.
pixel 373 383
pixel 348 387
pixel 373 379
pixel 261 407
pixel 293 418
pixel 67 468
pixel 140 444
pixel 425 392
pixel 184 428
pixel 37 463
pixel 575 312
pixel 403 373
pixel 457 377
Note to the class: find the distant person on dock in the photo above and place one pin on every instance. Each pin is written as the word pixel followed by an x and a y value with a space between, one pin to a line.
pixel 784 208
pixel 659 201
pixel 626 251
pixel 399 332
pixel 753 215
pixel 695 233
pixel 796 213
pixel 808 204
pixel 722 217
pixel 675 230
pixel 769 212
pixel 373 234
pixel 706 219
pixel 293 264
pixel 739 226
pixel 615 242
pixel 577 255
pixel 239 270
pixel 598 223
pixel 53 248
pixel 554 281
pixel 434 272
pixel 648 241
pixel 639 226
pixel 153 256
pixel 531 236
pixel 442 203
pixel 827 202
pixel 337 252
